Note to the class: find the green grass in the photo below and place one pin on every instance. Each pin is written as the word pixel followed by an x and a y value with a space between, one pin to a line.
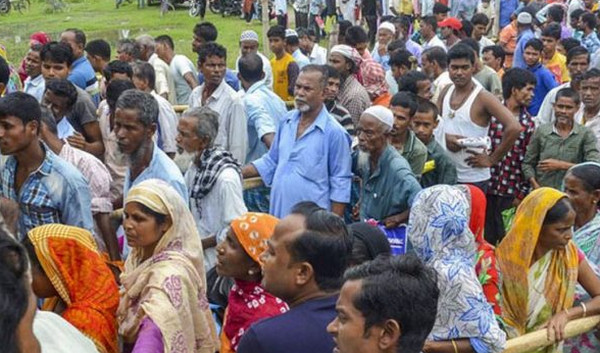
pixel 100 19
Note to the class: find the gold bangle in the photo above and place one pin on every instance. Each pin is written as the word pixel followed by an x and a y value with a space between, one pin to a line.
pixel 454 345
pixel 584 309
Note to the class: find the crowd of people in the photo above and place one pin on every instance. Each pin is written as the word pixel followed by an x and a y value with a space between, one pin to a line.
pixel 429 183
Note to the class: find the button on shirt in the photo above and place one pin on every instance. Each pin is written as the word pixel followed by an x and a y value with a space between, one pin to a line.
pixel 314 167
pixel 35 86
pixel 54 193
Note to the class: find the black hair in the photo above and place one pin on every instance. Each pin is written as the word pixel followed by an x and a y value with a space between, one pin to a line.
pixel 569 43
pixel 99 47
pixel 558 212
pixel 553 30
pixel 471 43
pixel 577 51
pixel 63 88
pixel 368 242
pixel 402 57
pixel 302 32
pixel 332 72
pixel 386 18
pixel 276 31
pixel 48 120
pixel 396 44
pixel 79 36
pixel 555 14
pixel 211 49
pixel 206 31
pixel 588 174
pixel 439 8
pixel 497 52
pixel 591 73
pixel 251 67
pixel 344 25
pixel 130 47
pixel 57 53
pixel 165 39
pixel 575 14
pixel 158 217
pixel 405 100
pixel 20 105
pixel 467 28
pixel 461 51
pixel 430 20
pixel 568 92
pixel 480 19
pixel 305 208
pixel 292 40
pixel 145 71
pixel 427 106
pixel 404 21
pixel 117 67
pixel 398 288
pixel 14 294
pixel 37 47
pixel 355 35
pixel 436 55
pixel 114 89
pixel 535 44
pixel 4 71
pixel 408 82
pixel 516 78
pixel 590 20
pixel 326 245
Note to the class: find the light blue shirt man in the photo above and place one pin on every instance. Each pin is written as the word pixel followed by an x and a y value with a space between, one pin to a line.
pixel 300 58
pixel 518 59
pixel 264 109
pixel 314 167
pixel 35 86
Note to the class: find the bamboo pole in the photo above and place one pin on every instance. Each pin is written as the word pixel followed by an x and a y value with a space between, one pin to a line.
pixel 265 27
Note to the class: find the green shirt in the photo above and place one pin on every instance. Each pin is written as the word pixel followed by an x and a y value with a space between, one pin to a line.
pixel 546 143
pixel 415 153
pixel 389 189
pixel 445 170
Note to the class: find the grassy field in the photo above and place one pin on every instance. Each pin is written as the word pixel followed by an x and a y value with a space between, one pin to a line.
pixel 100 19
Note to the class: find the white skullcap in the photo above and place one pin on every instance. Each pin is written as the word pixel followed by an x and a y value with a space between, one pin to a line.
pixel 290 33
pixel 249 35
pixel 389 26
pixel 381 113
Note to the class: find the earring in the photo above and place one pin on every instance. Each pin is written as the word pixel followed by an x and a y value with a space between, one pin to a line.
pixel 251 272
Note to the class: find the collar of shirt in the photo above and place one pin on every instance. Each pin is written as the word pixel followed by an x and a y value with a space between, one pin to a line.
pixel 44 169
pixel 77 62
pixel 35 82
pixel 574 131
pixel 320 121
pixel 383 160
pixel 256 87
pixel 216 95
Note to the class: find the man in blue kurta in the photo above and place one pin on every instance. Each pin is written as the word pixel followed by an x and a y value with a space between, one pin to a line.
pixel 309 159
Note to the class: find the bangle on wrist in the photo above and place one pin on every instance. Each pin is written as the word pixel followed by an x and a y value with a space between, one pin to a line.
pixel 454 346
pixel 584 309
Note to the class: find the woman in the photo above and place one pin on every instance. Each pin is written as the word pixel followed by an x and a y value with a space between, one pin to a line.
pixel 582 185
pixel 369 242
pixel 238 258
pixel 14 81
pixel 540 267
pixel 67 269
pixel 163 304
pixel 485 259
pixel 373 76
pixel 439 232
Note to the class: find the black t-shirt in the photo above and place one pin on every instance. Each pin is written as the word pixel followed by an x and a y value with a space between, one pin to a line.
pixel 369 7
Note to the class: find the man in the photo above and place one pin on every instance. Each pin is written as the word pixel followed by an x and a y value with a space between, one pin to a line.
pixel 59 98
pixel 370 9
pixel 182 69
pixel 467 110
pixel 450 29
pixel 316 54
pixel 507 186
pixel 485 75
pixel 315 7
pixel 556 147
pixel 388 186
pixel 98 179
pixel 525 33
pixel 47 188
pixel 135 121
pixel 352 95
pixel 508 41
pixel 494 56
pixel 357 38
pixel 417 83
pixel 403 106
pixel 216 94
pixel 404 26
pixel 310 156
pixel 480 26
pixel 545 79
pixel 556 14
pixel 163 84
pixel 249 45
pixel 588 24
pixel 34 84
pixel 213 179
pixel 57 59
pixel 590 96
pixel 507 10
pixel 143 79
pixel 578 61
pixel 98 54
pixel 385 35
pixel 551 58
pixel 292 46
pixel 127 50
pixel 434 63
pixel 439 169
pixel 118 70
pixel 285 68
pixel 335 109
pixel 440 11
pixel 81 72
pixel 369 321
pixel 301 13
pixel 303 266
pixel 429 33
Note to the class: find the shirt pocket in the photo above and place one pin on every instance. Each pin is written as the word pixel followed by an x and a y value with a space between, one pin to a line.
pixel 310 162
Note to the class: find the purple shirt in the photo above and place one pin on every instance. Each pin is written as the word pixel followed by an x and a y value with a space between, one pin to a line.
pixel 415 49
pixel 565 32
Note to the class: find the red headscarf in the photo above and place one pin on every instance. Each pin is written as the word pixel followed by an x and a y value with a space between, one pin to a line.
pixel 39 38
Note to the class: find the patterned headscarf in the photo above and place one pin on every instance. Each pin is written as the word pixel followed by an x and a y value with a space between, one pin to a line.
pixel 373 75
pixel 70 259
pixel 253 230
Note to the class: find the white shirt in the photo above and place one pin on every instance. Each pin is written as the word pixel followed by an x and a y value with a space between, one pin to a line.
pixel 35 87
pixel 163 81
pixel 546 112
pixel 233 131
pixel 64 128
pixel 180 65
pixel 439 84
pixel 484 42
pixel 318 55
pixel 168 120
pixel 268 71
pixel 57 335
pixel 592 124
pixel 434 42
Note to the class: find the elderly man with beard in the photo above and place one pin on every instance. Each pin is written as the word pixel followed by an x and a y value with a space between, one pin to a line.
pixel 309 159
pixel 388 184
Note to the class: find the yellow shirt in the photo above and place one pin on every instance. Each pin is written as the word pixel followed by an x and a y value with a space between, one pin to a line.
pixel 280 76
pixel 558 66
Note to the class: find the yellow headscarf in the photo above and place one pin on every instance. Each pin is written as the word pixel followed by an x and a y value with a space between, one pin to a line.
pixel 514 255
pixel 252 231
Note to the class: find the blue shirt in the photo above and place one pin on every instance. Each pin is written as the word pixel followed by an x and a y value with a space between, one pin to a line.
pixel 264 109
pixel 545 82
pixel 35 86
pixel 315 167
pixel 518 60
pixel 64 129
pixel 300 58
pixel 507 8
pixel 54 193
pixel 382 60
pixel 83 76
pixel 161 167
pixel 591 42
pixel 230 77
pixel 302 329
